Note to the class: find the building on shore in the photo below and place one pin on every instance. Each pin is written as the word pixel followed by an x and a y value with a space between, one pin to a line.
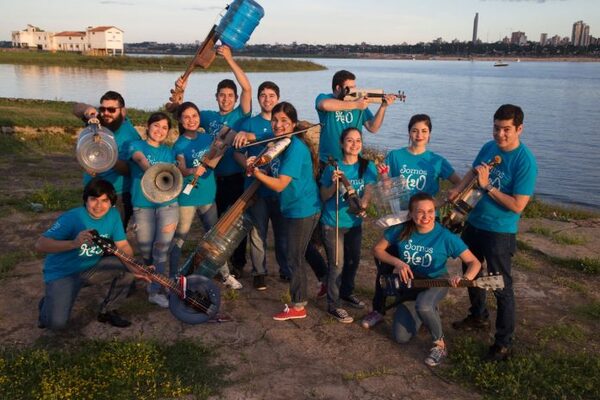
pixel 518 38
pixel 475 23
pixel 580 36
pixel 100 40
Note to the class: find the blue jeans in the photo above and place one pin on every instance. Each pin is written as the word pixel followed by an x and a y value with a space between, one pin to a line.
pixel 423 309
pixel 208 216
pixel 340 281
pixel 497 250
pixel 60 294
pixel 154 230
pixel 261 211
pixel 299 231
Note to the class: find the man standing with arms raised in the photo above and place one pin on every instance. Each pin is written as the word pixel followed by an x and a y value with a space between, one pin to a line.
pixel 491 228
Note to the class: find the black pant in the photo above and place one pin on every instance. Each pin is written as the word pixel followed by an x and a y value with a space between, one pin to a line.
pixel 229 190
pixel 125 207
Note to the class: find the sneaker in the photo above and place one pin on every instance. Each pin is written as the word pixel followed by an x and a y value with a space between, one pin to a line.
pixel 322 290
pixel 113 318
pixel 371 319
pixel 436 354
pixel 497 353
pixel 232 283
pixel 471 323
pixel 159 299
pixel 259 282
pixel 354 301
pixel 290 313
pixel 237 271
pixel 341 315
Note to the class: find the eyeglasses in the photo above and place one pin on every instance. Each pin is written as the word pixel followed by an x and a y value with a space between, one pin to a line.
pixel 111 110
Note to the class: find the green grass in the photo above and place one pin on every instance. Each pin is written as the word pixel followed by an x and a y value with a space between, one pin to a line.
pixel 531 373
pixel 564 333
pixel 590 310
pixel 9 260
pixel 360 375
pixel 54 199
pixel 521 260
pixel 110 370
pixel 557 237
pixel 570 283
pixel 44 113
pixel 150 63
pixel 587 265
pixel 539 209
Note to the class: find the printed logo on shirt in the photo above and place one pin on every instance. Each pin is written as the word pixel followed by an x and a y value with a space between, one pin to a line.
pixel 417 255
pixel 344 117
pixel 54 227
pixel 197 155
pixel 416 179
pixel 85 250
pixel 151 159
pixel 275 165
pixel 496 178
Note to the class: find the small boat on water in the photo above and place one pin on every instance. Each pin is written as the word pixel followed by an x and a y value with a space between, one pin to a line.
pixel 500 63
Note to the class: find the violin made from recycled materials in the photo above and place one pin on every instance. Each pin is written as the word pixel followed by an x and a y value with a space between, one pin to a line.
pixel 349 194
pixel 465 202
pixel 192 300
pixel 372 95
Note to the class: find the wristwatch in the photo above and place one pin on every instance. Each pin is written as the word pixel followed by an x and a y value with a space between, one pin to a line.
pixel 489 187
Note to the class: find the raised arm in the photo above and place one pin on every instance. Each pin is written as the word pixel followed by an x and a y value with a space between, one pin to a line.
pixel 241 78
pixel 374 124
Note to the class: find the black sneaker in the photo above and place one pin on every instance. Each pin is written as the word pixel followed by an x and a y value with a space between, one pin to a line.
pixel 354 301
pixel 113 318
pixel 259 282
pixel 471 323
pixel 497 353
pixel 341 315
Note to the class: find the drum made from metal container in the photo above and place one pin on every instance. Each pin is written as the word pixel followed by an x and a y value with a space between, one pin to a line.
pixel 238 23
pixel 217 248
pixel 96 149
pixel 390 199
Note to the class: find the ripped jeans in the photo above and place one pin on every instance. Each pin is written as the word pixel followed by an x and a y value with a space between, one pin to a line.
pixel 154 230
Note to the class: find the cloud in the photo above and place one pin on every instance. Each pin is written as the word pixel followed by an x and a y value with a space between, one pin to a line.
pixel 203 8
pixel 117 2
pixel 518 1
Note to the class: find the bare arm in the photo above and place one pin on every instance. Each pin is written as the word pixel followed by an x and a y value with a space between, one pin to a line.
pixel 515 203
pixel 141 160
pixel 241 78
pixel 374 124
pixel 47 245
pixel 342 105
pixel 277 184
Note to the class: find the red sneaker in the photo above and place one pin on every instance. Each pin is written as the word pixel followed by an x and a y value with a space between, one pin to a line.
pixel 290 313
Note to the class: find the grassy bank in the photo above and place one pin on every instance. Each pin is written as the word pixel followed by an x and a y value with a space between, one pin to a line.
pixel 149 63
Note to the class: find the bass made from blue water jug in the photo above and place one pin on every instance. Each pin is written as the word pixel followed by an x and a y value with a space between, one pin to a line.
pixel 238 23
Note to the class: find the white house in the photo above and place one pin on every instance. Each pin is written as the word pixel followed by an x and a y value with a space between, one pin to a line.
pixel 100 40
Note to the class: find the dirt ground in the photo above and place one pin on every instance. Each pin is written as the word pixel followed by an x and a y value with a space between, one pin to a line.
pixel 313 358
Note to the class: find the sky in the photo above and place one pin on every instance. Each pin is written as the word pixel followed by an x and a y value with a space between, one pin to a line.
pixel 310 21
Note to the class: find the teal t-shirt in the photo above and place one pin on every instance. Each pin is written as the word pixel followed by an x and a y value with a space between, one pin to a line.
pixel 516 174
pixel 155 155
pixel 345 218
pixel 421 172
pixel 193 150
pixel 262 129
pixel 426 254
pixel 212 122
pixel 123 136
pixel 300 199
pixel 334 122
pixel 67 227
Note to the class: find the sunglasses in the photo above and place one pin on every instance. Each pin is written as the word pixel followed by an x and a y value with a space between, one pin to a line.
pixel 111 110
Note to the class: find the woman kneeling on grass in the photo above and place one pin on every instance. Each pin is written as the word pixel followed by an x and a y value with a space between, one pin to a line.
pixel 423 246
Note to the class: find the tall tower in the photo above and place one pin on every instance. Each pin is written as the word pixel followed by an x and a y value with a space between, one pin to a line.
pixel 577 33
pixel 475 22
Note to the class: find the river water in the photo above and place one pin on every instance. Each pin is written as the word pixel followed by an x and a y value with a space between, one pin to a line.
pixel 560 99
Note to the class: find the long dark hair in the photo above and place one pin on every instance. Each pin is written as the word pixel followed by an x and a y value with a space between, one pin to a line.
pixel 409 226
pixel 184 106
pixel 362 162
pixel 290 111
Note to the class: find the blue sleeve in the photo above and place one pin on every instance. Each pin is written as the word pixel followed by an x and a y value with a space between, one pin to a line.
pixel 368 115
pixel 455 245
pixel 447 169
pixel 62 229
pixel 320 98
pixel 118 233
pixel 480 157
pixel 525 177
pixel 133 147
pixel 370 175
pixel 242 124
pixel 326 176
pixel 391 234
pixel 291 164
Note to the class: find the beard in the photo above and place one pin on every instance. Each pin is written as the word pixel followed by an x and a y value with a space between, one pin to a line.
pixel 115 124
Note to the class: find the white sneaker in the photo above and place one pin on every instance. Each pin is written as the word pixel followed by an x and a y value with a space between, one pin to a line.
pixel 231 282
pixel 159 299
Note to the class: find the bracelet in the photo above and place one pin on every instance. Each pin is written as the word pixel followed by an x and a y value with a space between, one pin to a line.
pixel 489 188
